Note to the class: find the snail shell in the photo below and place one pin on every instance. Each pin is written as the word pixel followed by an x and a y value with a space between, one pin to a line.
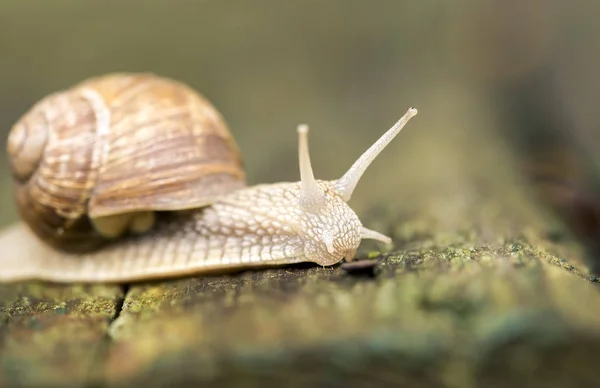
pixel 98 160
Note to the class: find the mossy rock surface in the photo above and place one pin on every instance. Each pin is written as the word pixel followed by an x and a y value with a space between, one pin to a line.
pixel 474 293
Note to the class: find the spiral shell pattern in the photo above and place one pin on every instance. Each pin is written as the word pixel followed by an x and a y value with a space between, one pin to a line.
pixel 118 144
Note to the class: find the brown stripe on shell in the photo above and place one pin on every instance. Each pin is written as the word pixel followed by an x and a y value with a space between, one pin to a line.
pixel 70 235
pixel 53 201
pixel 64 178
pixel 26 142
pixel 168 149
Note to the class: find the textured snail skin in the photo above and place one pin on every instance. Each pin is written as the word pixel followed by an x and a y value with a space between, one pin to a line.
pixel 258 226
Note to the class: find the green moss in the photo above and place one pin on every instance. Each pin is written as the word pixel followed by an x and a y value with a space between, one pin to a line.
pixel 373 254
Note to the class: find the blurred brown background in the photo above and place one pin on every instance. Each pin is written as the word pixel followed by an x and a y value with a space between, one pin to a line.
pixel 486 76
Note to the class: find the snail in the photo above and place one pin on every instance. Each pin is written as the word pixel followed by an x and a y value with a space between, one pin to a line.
pixel 129 177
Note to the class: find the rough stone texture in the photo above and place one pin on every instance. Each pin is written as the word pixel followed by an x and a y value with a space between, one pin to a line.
pixel 54 334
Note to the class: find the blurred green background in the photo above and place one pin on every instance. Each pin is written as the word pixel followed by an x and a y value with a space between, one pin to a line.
pixel 487 77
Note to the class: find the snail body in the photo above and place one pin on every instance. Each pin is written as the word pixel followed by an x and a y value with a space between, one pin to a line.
pixel 147 214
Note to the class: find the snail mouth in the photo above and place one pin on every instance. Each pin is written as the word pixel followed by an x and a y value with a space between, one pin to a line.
pixel 26 143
